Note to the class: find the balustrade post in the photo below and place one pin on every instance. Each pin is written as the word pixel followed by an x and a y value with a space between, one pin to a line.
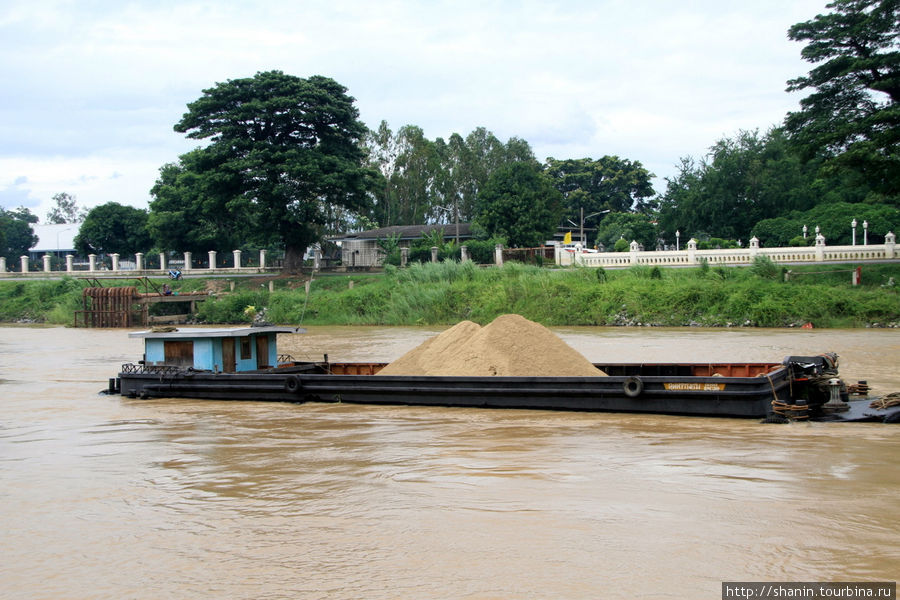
pixel 890 241
pixel 262 259
pixel 404 256
pixel 317 258
pixel 434 254
pixel 237 258
pixel 820 248
pixel 187 261
pixel 498 255
pixel 46 263
pixel 463 253
pixel 92 262
pixel 633 249
pixel 754 247
pixel 2 264
pixel 692 251
pixel 115 261
pixel 139 261
pixel 70 263
pixel 23 262
pixel 212 259
pixel 162 261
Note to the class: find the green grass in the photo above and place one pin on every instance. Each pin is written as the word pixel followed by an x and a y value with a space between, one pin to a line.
pixel 448 292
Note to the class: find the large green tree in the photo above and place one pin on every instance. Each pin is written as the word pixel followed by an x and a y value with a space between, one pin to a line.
pixel 609 184
pixel 113 228
pixel 291 151
pixel 852 116
pixel 16 234
pixel 520 204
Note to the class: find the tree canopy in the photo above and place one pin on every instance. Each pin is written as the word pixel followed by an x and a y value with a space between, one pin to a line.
pixel 609 183
pixel 435 181
pixel 113 228
pixel 66 210
pixel 520 204
pixel 16 234
pixel 852 117
pixel 284 158
pixel 628 226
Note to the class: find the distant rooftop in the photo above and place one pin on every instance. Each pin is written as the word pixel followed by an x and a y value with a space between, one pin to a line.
pixel 53 237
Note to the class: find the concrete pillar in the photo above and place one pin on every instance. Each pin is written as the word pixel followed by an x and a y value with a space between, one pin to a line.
pixel 262 259
pixel 820 248
pixel 212 259
pixel 754 247
pixel 46 263
pixel 92 262
pixel 70 263
pixel 271 285
pixel 434 252
pixel 23 262
pixel 187 261
pixel 317 259
pixel 2 264
pixel 498 255
pixel 634 248
pixel 162 261
pixel 692 251
pixel 463 253
pixel 237 258
pixel 890 241
pixel 404 256
pixel 139 261
pixel 115 261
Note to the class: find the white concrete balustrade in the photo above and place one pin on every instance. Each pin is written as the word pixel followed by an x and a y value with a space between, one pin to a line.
pixel 564 256
pixel 731 256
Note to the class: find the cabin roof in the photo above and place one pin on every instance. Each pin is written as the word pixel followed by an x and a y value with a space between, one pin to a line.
pixel 205 332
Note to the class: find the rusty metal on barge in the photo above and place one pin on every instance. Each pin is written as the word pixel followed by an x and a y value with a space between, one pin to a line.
pixel 242 365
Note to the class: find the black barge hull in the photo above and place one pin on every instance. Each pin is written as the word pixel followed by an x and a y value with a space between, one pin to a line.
pixel 747 390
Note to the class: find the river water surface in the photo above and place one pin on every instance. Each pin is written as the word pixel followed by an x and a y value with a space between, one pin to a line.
pixel 109 497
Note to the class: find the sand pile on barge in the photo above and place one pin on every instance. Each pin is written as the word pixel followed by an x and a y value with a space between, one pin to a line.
pixel 510 346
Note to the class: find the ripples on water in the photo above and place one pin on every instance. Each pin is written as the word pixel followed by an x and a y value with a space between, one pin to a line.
pixel 105 497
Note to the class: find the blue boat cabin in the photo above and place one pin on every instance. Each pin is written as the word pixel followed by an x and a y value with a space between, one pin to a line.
pixel 218 350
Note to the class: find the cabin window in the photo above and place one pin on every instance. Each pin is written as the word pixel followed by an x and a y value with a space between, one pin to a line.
pixel 245 348
pixel 179 353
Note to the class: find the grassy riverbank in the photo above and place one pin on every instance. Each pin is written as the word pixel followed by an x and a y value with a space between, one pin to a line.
pixel 445 293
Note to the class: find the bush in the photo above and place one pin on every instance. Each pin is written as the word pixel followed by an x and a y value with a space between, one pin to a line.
pixel 764 267
pixel 622 245
pixel 800 241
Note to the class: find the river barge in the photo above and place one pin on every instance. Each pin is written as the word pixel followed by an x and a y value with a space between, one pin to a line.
pixel 243 364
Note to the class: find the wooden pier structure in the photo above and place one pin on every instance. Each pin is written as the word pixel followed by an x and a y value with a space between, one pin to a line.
pixel 127 306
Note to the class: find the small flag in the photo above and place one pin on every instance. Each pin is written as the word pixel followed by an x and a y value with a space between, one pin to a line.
pixel 568 238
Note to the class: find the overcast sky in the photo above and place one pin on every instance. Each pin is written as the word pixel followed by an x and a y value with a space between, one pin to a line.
pixel 91 89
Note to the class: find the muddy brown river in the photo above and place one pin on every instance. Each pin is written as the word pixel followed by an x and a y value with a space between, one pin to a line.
pixel 103 497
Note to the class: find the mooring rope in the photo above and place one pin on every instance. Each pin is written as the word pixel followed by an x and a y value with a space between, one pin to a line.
pixel 886 401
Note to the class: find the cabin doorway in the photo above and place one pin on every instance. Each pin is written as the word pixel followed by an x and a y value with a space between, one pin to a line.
pixel 179 353
pixel 228 357
pixel 262 352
